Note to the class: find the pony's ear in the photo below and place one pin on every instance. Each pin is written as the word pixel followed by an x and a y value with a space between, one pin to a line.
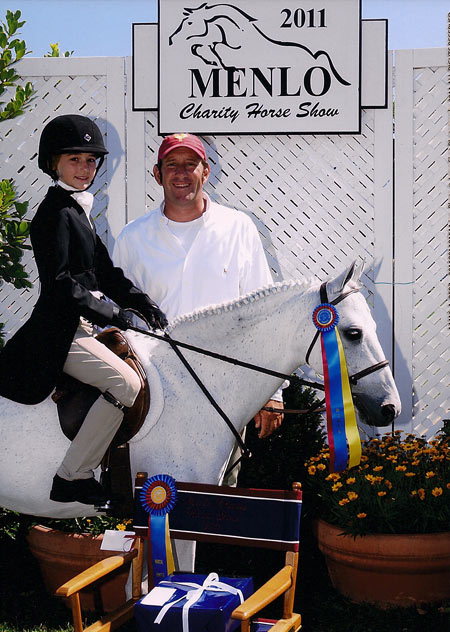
pixel 353 273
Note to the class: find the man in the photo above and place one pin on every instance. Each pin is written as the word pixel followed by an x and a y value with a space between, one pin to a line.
pixel 191 252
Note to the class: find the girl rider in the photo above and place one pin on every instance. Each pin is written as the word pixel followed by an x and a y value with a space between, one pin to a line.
pixel 74 269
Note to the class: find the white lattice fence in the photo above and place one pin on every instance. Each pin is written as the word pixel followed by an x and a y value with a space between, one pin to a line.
pixel 423 245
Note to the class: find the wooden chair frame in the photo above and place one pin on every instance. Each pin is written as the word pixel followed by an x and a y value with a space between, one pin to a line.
pixel 282 583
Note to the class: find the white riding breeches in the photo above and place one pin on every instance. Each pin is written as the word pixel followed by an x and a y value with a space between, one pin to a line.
pixel 93 363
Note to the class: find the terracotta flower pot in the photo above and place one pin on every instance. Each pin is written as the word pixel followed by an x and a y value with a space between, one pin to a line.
pixel 62 555
pixel 385 569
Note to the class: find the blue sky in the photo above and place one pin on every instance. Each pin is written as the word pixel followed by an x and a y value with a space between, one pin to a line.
pixel 94 28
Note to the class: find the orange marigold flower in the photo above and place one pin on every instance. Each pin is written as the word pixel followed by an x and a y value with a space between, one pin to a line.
pixel 400 468
pixel 437 491
pixel 415 462
pixel 430 474
pixel 410 474
pixel 361 515
pixel 344 501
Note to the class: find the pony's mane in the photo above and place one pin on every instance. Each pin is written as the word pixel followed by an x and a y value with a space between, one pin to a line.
pixel 229 306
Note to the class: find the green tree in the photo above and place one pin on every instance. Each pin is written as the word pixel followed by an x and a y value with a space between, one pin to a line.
pixel 12 50
pixel 54 51
pixel 14 228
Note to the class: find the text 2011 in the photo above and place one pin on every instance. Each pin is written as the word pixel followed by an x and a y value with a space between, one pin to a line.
pixel 299 18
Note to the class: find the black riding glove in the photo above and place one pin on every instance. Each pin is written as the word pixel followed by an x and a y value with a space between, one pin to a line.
pixel 154 316
pixel 121 318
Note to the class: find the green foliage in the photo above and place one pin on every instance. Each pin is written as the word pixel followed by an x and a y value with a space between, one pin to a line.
pixel 402 485
pixel 12 50
pixel 279 460
pixel 14 231
pixel 54 51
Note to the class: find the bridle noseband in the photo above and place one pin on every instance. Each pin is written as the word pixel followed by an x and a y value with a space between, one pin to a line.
pixel 356 376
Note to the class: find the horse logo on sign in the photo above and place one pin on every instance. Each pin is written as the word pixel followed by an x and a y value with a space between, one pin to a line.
pixel 219 33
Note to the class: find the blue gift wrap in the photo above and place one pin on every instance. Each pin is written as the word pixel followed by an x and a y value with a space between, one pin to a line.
pixel 210 613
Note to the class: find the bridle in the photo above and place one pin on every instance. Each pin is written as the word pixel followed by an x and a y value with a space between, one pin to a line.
pixel 176 345
pixel 356 376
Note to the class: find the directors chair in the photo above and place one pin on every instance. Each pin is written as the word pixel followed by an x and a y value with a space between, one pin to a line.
pixel 208 513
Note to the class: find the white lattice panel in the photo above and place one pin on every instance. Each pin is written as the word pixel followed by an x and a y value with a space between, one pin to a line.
pixel 422 239
pixel 431 339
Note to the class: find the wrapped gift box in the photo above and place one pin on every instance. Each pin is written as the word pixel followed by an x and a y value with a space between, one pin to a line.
pixel 211 613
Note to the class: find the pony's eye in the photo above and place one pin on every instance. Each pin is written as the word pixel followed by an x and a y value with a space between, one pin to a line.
pixel 353 334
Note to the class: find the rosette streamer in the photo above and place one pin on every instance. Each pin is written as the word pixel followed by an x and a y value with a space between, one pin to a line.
pixel 343 436
pixel 158 497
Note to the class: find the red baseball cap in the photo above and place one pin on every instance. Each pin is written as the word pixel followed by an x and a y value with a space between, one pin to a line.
pixel 182 140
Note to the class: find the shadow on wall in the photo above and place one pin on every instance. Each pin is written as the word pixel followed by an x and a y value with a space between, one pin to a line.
pixel 216 162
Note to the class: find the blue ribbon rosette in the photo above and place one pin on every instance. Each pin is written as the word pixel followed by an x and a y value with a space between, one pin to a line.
pixel 158 497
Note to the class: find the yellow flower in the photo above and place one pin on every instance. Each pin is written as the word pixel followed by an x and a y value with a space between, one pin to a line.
pixel 382 493
pixel 421 493
pixel 334 476
pixel 437 491
pixel 352 495
pixel 378 468
pixel 336 486
pixel 351 480
pixel 448 485
pixel 344 501
pixel 430 474
pixel 321 466
pixel 311 470
pixel 388 484
pixel 400 468
pixel 361 515
pixel 410 474
pixel 121 527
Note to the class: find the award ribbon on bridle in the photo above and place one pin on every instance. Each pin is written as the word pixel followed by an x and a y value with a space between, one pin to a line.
pixel 341 418
pixel 158 497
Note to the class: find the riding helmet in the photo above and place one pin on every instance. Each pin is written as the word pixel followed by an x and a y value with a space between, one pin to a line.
pixel 69 133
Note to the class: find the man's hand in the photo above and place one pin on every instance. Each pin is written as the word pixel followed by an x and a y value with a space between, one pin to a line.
pixel 267 421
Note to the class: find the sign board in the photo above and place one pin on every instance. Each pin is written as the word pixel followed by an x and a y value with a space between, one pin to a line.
pixel 260 66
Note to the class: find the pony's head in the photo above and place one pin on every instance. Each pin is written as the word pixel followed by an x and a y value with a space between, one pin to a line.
pixel 375 394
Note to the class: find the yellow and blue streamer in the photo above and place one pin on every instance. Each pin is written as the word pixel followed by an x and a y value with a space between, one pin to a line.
pixel 343 436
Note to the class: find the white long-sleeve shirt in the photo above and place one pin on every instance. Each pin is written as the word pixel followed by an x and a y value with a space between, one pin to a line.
pixel 184 266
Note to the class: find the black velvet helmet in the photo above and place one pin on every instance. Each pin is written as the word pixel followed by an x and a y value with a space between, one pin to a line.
pixel 66 134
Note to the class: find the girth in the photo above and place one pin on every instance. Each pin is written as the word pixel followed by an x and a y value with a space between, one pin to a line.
pixel 74 398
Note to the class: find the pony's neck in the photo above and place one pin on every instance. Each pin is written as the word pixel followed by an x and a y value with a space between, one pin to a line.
pixel 268 327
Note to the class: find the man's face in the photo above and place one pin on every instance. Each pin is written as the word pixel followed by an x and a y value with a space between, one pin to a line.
pixel 182 176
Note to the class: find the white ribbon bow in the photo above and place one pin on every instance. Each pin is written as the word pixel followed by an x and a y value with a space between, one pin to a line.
pixel 195 591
